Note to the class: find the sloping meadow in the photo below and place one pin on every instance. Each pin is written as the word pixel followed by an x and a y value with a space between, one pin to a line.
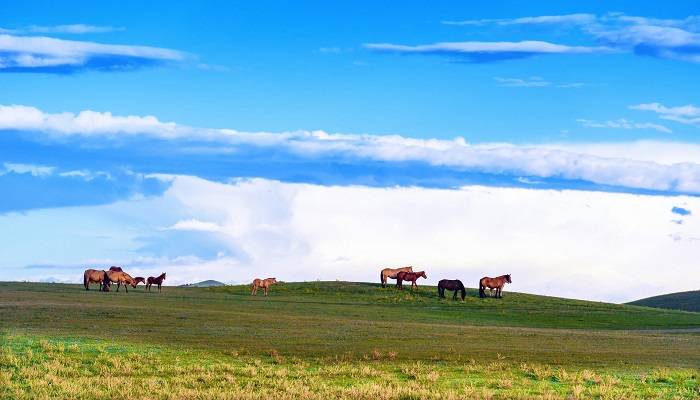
pixel 336 340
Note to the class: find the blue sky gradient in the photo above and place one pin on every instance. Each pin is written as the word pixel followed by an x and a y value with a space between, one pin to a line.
pixel 196 137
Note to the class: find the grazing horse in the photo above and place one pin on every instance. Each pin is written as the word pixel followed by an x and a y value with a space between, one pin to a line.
pixel 121 278
pixel 140 279
pixel 158 281
pixel 96 276
pixel 391 273
pixel 450 284
pixel 263 283
pixel 493 283
pixel 409 276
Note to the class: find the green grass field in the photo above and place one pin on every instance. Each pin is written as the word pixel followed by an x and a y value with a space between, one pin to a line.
pixel 688 301
pixel 316 340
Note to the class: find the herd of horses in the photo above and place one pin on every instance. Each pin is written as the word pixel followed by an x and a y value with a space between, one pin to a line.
pixel 404 274
pixel 407 274
pixel 117 275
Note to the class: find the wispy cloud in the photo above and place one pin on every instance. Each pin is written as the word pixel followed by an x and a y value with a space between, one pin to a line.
pixel 688 114
pixel 623 123
pixel 515 82
pixel 610 33
pixel 535 82
pixel 61 29
pixel 485 52
pixel 51 55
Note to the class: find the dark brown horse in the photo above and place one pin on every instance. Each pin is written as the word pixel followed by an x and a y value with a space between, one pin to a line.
pixel 391 273
pixel 263 283
pixel 451 284
pixel 493 283
pixel 114 268
pixel 409 276
pixel 157 280
pixel 140 279
pixel 96 276
pixel 121 278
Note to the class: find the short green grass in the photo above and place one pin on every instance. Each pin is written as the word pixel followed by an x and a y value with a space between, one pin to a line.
pixel 336 340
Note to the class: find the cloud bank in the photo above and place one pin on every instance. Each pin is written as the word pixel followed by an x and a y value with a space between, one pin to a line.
pixel 150 146
pixel 587 245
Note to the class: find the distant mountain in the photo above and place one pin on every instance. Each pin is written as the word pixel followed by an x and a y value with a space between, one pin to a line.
pixel 205 284
pixel 688 301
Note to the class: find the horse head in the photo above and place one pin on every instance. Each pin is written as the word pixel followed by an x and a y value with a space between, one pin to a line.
pixel 508 278
pixel 422 273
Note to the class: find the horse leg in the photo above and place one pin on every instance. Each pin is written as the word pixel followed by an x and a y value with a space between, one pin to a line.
pixel 255 289
pixel 454 296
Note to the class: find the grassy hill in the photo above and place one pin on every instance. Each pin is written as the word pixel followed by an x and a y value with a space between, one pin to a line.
pixel 207 283
pixel 688 301
pixel 336 340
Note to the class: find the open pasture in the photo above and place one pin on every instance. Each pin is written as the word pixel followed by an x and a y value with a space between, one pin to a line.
pixel 337 339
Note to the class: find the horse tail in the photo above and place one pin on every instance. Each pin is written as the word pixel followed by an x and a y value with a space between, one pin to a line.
pixel 481 289
pixel 381 278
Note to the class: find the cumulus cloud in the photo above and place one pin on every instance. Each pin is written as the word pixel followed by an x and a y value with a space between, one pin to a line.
pixel 51 55
pixel 269 228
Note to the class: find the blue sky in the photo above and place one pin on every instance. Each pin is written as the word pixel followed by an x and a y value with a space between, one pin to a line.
pixel 231 140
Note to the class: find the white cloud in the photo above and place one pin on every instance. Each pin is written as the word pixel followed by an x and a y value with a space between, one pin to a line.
pixel 71 29
pixel 85 123
pixel 558 243
pixel 456 48
pixel 623 123
pixel 21 53
pixel 35 170
pixel 574 19
pixel 537 161
pixel 688 114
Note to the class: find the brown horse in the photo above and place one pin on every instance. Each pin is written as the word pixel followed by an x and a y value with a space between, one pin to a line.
pixel 493 283
pixel 140 279
pixel 391 273
pixel 409 276
pixel 113 268
pixel 96 276
pixel 157 280
pixel 263 283
pixel 121 278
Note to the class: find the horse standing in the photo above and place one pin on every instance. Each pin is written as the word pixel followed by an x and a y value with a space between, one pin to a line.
pixel 391 273
pixel 96 276
pixel 262 283
pixel 450 284
pixel 121 278
pixel 409 276
pixel 157 280
pixel 114 268
pixel 493 283
pixel 140 279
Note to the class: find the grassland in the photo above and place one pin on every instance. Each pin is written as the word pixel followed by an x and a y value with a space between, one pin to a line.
pixel 688 301
pixel 317 340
